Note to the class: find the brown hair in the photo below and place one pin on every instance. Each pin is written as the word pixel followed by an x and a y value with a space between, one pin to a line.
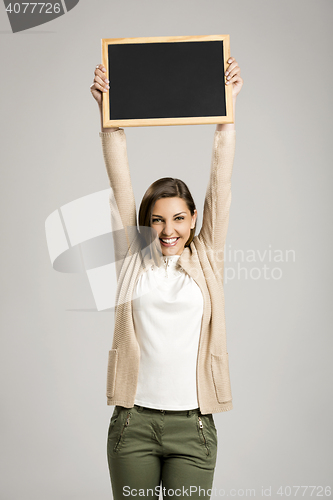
pixel 167 187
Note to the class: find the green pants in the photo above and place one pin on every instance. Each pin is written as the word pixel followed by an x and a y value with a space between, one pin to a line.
pixel 160 450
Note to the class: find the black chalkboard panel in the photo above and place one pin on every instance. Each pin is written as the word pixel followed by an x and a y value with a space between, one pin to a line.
pixel 166 81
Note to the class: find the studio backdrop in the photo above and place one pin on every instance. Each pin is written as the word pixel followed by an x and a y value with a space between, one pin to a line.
pixel 58 279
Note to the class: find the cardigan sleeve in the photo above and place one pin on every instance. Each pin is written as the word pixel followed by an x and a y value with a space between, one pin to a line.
pixel 218 196
pixel 117 167
pixel 121 199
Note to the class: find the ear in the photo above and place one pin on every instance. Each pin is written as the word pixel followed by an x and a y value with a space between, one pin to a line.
pixel 194 218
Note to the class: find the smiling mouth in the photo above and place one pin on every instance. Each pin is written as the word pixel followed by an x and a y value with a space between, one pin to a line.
pixel 169 241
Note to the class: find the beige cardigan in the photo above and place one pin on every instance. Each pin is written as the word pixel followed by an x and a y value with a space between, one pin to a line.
pixel 202 260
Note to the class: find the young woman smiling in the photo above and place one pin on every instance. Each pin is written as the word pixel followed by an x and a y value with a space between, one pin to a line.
pixel 168 368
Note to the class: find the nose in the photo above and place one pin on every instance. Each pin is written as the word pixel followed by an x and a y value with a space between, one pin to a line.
pixel 168 230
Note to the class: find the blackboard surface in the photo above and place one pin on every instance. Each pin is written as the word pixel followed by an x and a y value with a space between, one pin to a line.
pixel 164 80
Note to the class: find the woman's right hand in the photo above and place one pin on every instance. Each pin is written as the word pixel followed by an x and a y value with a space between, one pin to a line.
pixel 100 84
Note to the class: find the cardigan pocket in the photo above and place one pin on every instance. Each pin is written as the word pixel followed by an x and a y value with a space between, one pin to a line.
pixel 221 377
pixel 112 371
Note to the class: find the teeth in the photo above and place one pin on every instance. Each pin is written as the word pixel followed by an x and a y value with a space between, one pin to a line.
pixel 169 241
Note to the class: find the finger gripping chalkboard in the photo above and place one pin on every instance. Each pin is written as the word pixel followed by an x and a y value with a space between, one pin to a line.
pixel 166 81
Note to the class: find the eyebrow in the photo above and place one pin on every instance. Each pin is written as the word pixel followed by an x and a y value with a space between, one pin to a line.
pixel 155 215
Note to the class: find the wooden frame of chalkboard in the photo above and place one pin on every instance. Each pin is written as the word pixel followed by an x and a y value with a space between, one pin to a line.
pixel 170 80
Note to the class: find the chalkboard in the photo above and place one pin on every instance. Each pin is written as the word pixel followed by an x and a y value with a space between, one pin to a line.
pixel 166 81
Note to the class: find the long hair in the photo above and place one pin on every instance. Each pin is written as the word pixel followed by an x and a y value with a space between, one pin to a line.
pixel 167 187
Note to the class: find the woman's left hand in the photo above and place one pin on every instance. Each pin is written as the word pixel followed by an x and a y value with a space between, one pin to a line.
pixel 233 77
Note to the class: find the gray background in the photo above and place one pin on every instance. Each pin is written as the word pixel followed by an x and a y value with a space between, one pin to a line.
pixel 54 346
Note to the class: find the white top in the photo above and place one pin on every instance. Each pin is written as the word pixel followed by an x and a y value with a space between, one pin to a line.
pixel 167 307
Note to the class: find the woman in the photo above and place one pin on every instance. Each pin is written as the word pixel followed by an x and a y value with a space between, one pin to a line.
pixel 168 369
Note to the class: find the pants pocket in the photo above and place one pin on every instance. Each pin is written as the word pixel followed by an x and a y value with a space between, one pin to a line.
pixel 123 430
pixel 202 431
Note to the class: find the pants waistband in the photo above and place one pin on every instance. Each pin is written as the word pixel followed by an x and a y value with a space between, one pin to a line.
pixel 175 412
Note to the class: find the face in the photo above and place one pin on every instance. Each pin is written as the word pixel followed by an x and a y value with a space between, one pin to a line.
pixel 172 219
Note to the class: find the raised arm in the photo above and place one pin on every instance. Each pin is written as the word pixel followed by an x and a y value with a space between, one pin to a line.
pixel 218 194
pixel 115 157
pixel 116 162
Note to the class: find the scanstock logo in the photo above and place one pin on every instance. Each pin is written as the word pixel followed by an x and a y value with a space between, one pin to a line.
pixel 25 15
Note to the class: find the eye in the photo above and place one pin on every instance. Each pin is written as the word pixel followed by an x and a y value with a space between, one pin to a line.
pixel 179 217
